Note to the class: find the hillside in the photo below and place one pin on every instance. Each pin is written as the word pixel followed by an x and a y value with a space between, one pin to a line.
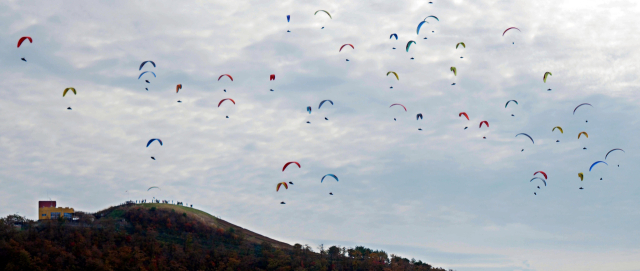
pixel 208 220
pixel 169 237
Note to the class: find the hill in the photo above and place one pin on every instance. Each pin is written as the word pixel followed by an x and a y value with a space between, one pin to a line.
pixel 169 237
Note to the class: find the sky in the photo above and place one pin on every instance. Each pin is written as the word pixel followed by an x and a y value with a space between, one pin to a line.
pixel 442 194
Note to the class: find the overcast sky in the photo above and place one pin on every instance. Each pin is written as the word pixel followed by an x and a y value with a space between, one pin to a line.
pixel 442 194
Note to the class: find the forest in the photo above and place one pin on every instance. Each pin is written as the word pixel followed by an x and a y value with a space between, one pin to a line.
pixel 139 238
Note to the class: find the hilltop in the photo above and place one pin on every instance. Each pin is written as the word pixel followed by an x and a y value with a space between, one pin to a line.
pixel 169 237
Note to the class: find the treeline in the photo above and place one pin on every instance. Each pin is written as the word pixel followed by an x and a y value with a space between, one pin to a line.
pixel 141 239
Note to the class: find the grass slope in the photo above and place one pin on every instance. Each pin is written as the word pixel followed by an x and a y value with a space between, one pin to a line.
pixel 215 222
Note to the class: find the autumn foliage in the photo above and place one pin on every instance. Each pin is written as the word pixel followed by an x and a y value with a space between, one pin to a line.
pixel 158 239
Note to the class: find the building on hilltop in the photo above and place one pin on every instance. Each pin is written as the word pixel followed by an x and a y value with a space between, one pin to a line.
pixel 48 210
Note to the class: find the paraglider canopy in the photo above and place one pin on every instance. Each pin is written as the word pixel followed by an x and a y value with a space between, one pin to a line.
pixel 510 29
pixel 605 157
pixel 282 183
pixel 431 16
pixel 330 175
pixel 392 35
pixel 154 139
pixel 145 62
pixel 288 18
pixel 485 122
pixel 559 128
pixel 324 12
pixel 23 39
pixel 574 110
pixel 545 182
pixel 419 26
pixel 272 77
pixel 321 103
pixel 67 90
pixel 154 74
pixel 309 109
pixel 178 87
pixel 226 76
pixel 153 188
pixel 541 172
pixel 598 162
pixel 234 102
pixel 461 43
pixel 346 45
pixel 419 116
pixel 394 73
pixel 523 135
pixel 465 114
pixel 454 70
pixel 544 78
pixel 505 106
pixel 409 44
pixel 581 176
pixel 583 133
pixel 405 109
pixel 289 163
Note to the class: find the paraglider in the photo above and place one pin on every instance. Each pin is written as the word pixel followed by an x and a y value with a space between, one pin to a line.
pixel 505 106
pixel 67 90
pixel 324 12
pixel 559 129
pixel 460 43
pixel 331 193
pixel 309 109
pixel 154 74
pixel 226 76
pixel 465 114
pixel 272 77
pixel 409 44
pixel 510 29
pixel 545 182
pixel 330 175
pixel 153 188
pixel 485 122
pixel 23 39
pixel 178 87
pixel 153 158
pixel 541 172
pixel 574 110
pixel 280 184
pixel 583 133
pixel 288 18
pixel 154 139
pixel 145 62
pixel 394 35
pixel 524 135
pixel 405 109
pixel 234 102
pixel 419 116
pixel 394 73
pixel 605 157
pixel 454 70
pixel 419 26
pixel 282 202
pixel 290 182
pixel 431 16
pixel 544 78
pixel 23 59
pixel 346 45
pixel 598 162
pixel 581 176
pixel 289 163
pixel 321 103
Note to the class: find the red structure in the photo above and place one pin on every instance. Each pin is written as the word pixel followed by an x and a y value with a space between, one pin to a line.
pixel 46 203
pixel 272 77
